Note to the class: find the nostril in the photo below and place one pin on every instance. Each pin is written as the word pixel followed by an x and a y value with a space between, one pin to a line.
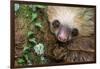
pixel 59 38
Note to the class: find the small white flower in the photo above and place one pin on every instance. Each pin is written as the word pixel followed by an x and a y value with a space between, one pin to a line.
pixel 39 49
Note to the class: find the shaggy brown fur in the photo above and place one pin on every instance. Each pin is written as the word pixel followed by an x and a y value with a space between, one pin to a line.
pixel 82 47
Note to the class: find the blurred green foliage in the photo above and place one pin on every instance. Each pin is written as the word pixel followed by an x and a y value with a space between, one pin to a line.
pixel 31 12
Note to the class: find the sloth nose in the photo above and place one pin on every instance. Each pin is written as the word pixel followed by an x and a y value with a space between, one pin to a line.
pixel 62 37
pixel 63 34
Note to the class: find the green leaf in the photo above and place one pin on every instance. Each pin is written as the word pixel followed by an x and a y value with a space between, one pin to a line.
pixel 40 6
pixel 30 5
pixel 27 58
pixel 38 24
pixel 43 60
pixel 30 33
pixel 33 40
pixel 21 61
pixel 26 50
pixel 37 59
pixel 16 7
pixel 34 8
pixel 34 16
pixel 30 57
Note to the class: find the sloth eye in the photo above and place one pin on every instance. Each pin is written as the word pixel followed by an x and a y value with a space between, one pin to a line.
pixel 75 32
pixel 56 23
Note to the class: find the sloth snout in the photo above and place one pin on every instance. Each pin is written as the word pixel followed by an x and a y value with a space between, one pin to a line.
pixel 62 38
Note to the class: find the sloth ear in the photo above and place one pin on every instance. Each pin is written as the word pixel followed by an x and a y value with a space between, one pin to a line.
pixel 75 32
pixel 56 24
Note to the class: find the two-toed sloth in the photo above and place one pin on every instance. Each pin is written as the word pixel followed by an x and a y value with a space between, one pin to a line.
pixel 67 22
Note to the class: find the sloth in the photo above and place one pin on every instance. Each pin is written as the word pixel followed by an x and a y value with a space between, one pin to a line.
pixel 72 24
pixel 68 22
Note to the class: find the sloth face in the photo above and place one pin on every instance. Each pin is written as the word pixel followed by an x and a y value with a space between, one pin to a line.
pixel 68 22
pixel 63 32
